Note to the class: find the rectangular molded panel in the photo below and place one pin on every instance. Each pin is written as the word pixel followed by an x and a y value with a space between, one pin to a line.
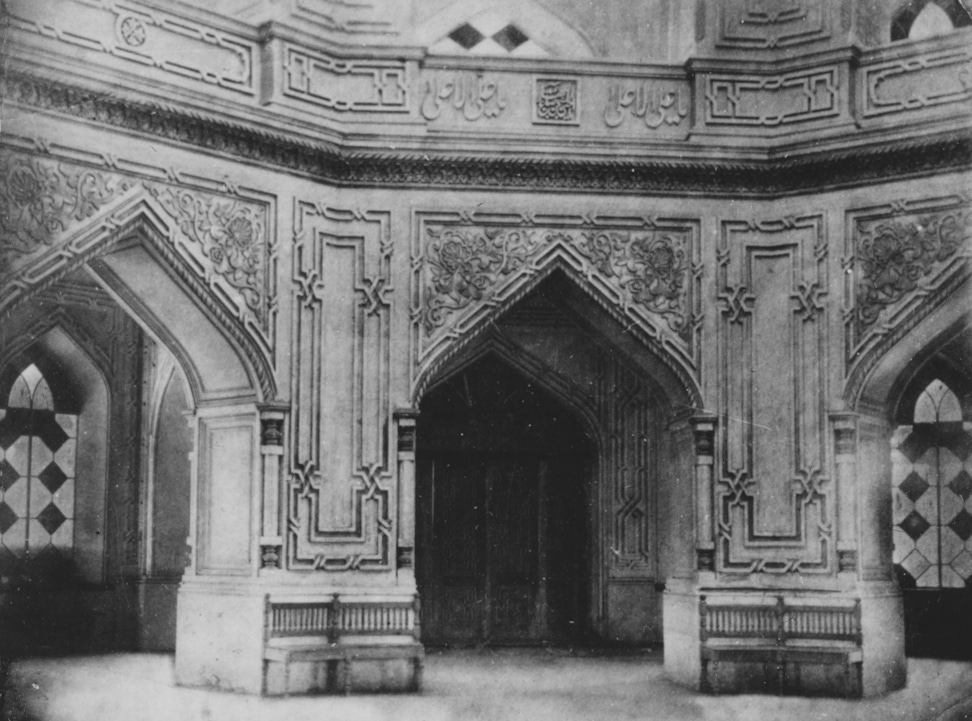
pixel 225 482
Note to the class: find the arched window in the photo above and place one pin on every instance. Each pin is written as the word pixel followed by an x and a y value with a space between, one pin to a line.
pixel 932 480
pixel 920 19
pixel 38 449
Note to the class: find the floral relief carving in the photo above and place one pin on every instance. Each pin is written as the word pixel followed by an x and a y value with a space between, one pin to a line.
pixel 465 266
pixel 231 234
pixel 652 267
pixel 895 255
pixel 38 200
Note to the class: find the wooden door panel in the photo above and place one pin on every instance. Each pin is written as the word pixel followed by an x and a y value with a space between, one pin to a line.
pixel 503 561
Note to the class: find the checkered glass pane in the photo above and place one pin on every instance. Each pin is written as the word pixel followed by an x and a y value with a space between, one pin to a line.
pixel 932 492
pixel 37 462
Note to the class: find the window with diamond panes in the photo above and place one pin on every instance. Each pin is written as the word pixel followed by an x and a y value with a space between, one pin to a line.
pixel 37 459
pixel 932 488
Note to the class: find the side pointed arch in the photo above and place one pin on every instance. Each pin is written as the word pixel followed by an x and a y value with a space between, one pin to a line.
pixel 131 248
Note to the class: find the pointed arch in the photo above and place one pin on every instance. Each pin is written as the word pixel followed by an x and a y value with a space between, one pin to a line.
pixel 68 448
pixel 644 344
pixel 128 250
pixel 879 379
pixel 928 17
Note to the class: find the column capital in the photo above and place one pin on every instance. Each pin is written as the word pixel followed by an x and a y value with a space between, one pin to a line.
pixel 273 409
pixel 845 431
pixel 703 428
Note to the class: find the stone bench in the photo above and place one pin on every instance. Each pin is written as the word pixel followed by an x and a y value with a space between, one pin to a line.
pixel 338 632
pixel 781 646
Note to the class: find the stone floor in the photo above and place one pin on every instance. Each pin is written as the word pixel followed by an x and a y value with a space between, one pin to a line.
pixel 529 684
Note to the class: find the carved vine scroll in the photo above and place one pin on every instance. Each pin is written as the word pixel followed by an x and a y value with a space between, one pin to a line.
pixel 468 264
pixel 56 214
pixel 900 258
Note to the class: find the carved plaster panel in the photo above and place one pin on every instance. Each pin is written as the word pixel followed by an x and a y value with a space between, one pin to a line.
pixel 769 24
pixel 917 82
pixel 340 492
pixel 901 259
pixel 768 101
pixel 57 213
pixel 466 265
pixel 377 86
pixel 774 505
pixel 143 36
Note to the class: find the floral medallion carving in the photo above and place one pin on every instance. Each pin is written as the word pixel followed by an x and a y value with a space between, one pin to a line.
pixel 896 255
pixel 653 267
pixel 39 200
pixel 466 265
pixel 56 214
pixel 230 233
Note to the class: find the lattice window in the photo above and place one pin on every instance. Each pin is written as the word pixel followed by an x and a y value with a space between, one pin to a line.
pixel 932 482
pixel 38 448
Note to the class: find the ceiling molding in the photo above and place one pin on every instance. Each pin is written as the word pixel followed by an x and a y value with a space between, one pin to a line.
pixel 919 155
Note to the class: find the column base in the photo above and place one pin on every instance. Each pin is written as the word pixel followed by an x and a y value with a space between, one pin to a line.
pixel 219 637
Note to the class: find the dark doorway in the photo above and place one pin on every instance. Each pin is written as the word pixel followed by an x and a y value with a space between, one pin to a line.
pixel 933 524
pixel 504 512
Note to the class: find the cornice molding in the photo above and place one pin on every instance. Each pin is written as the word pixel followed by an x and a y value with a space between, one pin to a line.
pixel 943 152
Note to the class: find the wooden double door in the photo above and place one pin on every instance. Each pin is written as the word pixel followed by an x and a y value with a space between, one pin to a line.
pixel 503 548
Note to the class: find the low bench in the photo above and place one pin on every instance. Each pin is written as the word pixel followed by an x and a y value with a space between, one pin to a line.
pixel 781 646
pixel 338 632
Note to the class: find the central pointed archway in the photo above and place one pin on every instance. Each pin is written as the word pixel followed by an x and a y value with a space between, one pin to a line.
pixel 548 454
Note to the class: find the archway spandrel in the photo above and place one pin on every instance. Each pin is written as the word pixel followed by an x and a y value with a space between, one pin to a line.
pixel 54 215
pixel 60 215
pixel 470 267
pixel 902 261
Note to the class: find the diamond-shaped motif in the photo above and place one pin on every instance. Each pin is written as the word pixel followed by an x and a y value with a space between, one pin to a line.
pixel 914 446
pixel 954 437
pixel 466 35
pixel 7 517
pixel 916 565
pixel 914 486
pixel 914 525
pixel 13 425
pixel 510 37
pixel 8 475
pixel 49 430
pixel 52 477
pixel 962 525
pixel 51 518
pixel 963 564
pixel 961 485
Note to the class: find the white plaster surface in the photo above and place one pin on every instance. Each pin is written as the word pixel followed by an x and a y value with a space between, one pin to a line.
pixel 534 684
